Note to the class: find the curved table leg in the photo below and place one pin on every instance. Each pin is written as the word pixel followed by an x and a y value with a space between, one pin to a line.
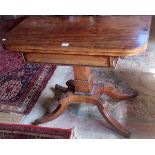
pixel 57 112
pixel 111 91
pixel 66 96
pixel 103 110
pixel 112 121
pixel 60 95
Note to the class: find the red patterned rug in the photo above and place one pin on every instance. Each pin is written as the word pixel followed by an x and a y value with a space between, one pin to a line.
pixel 9 61
pixel 17 131
pixel 21 88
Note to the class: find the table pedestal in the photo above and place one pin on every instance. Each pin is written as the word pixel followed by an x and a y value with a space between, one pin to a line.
pixel 82 90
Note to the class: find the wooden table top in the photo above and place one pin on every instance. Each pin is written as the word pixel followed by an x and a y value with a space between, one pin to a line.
pixel 81 35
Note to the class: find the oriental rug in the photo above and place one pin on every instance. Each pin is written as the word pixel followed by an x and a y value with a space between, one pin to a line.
pixel 9 60
pixel 21 88
pixel 17 131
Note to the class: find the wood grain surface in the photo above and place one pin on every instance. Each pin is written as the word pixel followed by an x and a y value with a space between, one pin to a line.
pixel 81 35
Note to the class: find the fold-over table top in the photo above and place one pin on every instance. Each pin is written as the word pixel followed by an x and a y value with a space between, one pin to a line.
pixel 81 35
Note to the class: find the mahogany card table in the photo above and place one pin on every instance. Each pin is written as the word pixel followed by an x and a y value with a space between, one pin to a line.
pixel 83 42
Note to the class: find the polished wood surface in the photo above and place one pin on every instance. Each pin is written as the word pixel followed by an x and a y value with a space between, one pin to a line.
pixel 77 41
pixel 63 59
pixel 81 35
pixel 82 79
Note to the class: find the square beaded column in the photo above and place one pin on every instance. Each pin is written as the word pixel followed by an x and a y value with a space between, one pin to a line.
pixel 83 79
